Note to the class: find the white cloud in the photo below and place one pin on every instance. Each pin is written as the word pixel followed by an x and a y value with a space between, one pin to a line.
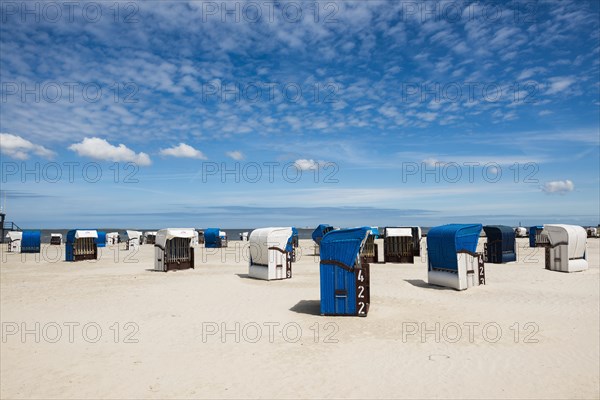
pixel 339 105
pixel 389 111
pixel 305 165
pixel 559 84
pixel 100 149
pixel 544 113
pixel 183 151
pixel 499 115
pixel 427 116
pixel 236 155
pixel 529 72
pixel 560 187
pixel 16 147
pixel 433 162
pixel 294 122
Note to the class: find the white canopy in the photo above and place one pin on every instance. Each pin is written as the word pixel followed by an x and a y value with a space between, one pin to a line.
pixel 149 233
pixel 56 235
pixel 574 235
pixel 133 234
pixel 398 232
pixel 112 234
pixel 222 234
pixel 14 235
pixel 86 234
pixel 263 238
pixel 169 233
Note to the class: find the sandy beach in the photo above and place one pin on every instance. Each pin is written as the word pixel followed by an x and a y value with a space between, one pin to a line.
pixel 175 123
pixel 115 329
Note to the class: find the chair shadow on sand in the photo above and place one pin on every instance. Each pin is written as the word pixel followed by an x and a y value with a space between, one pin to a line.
pixel 170 270
pixel 310 307
pixel 422 284
pixel 244 276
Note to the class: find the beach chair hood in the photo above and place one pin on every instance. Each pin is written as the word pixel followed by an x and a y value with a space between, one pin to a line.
pixel 263 239
pixel 170 233
pixel 443 242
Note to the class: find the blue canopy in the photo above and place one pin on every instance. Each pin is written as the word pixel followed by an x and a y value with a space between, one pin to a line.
pixel 211 238
pixel 375 231
pixel 501 233
pixel 501 241
pixel 70 237
pixel 343 247
pixel 101 241
pixel 443 242
pixel 31 242
pixel 293 240
pixel 320 231
pixel 532 232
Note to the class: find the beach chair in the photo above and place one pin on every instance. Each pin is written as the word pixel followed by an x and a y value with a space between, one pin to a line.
pixel 271 253
pixel 566 250
pixel 56 239
pixel 173 249
pixel 344 273
pixel 81 245
pixel 452 258
pixel 31 242
pixel 399 245
pixel 500 245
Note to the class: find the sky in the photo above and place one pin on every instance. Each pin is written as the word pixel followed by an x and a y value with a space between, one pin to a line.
pixel 259 113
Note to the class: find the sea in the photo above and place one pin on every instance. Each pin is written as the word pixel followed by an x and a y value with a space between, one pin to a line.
pixel 232 234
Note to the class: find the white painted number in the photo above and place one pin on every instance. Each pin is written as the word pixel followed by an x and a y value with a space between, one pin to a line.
pixel 361 307
pixel 361 290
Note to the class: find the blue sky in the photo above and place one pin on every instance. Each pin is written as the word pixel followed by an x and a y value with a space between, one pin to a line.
pixel 392 112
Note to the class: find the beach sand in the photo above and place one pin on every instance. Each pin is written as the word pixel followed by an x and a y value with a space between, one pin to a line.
pixel 158 336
